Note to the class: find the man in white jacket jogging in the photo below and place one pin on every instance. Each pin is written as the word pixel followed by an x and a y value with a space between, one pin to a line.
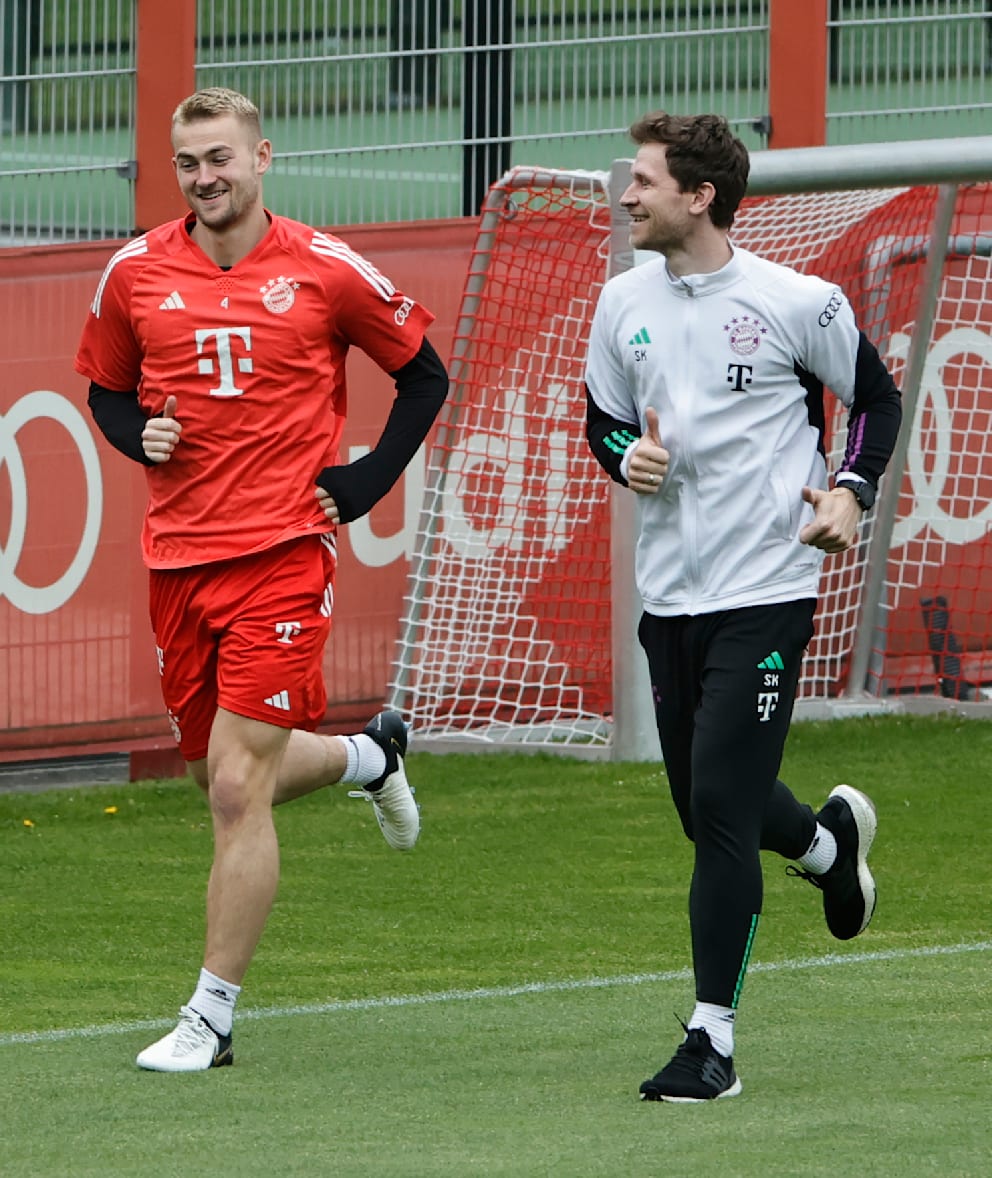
pixel 705 382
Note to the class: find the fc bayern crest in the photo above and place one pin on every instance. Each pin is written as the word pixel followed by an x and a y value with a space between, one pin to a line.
pixel 745 334
pixel 279 294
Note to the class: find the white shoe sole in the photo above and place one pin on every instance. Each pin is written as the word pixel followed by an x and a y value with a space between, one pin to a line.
pixel 735 1089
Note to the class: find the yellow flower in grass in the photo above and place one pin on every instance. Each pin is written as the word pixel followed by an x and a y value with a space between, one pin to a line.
pixel 28 822
pixel 110 809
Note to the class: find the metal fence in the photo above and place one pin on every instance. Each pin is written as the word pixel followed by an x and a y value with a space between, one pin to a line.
pixel 902 71
pixel 66 124
pixel 393 110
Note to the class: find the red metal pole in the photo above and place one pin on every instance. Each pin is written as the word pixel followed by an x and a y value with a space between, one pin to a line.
pixel 797 73
pixel 166 57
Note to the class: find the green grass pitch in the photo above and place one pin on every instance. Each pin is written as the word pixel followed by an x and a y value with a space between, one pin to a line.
pixel 488 1003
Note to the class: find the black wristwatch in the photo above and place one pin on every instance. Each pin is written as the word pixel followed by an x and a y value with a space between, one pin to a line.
pixel 860 488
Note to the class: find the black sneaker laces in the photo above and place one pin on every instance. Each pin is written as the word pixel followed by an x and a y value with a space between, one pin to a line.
pixel 815 880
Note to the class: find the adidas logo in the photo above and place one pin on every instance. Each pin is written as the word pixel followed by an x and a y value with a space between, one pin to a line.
pixel 772 663
pixel 641 337
pixel 619 440
pixel 174 302
pixel 714 1073
pixel 279 700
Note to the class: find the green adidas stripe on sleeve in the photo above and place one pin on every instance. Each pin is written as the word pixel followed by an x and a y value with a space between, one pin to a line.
pixel 619 440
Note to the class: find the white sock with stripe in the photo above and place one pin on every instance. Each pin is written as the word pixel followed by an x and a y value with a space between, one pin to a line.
pixel 214 999
pixel 366 760
pixel 821 854
pixel 718 1022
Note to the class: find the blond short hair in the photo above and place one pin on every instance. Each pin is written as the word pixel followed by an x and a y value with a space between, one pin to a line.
pixel 215 102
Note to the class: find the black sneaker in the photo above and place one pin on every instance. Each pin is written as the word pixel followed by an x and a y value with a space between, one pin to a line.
pixel 390 794
pixel 696 1072
pixel 848 887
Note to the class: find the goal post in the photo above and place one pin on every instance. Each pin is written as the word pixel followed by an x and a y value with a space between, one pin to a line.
pixel 518 627
pixel 508 596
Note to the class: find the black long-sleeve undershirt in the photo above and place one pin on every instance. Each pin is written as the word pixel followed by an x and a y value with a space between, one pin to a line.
pixel 120 419
pixel 608 438
pixel 421 387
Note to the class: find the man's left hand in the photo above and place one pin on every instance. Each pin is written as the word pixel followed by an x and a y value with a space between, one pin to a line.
pixel 835 526
pixel 328 506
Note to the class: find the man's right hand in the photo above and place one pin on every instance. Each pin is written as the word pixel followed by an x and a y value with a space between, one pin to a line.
pixel 160 435
pixel 648 463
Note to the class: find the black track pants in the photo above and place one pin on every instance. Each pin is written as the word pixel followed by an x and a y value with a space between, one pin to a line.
pixel 724 686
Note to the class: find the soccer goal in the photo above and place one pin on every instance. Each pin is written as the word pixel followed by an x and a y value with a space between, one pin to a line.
pixel 520 612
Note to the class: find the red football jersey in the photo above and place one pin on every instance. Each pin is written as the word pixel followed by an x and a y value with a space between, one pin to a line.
pixel 255 356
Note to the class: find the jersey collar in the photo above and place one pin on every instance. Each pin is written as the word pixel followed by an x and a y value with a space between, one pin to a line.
pixel 696 285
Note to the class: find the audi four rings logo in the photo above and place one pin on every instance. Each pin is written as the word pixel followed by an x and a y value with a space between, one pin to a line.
pixel 45 599
pixel 830 310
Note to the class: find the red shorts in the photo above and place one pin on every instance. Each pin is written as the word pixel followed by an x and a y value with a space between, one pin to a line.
pixel 247 635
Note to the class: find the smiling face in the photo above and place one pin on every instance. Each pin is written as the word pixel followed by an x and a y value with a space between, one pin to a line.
pixel 219 163
pixel 660 212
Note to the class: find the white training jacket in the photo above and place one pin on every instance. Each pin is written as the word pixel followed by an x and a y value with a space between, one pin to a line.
pixel 735 363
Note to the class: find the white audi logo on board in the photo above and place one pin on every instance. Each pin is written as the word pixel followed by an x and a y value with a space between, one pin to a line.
pixel 45 599
pixel 930 460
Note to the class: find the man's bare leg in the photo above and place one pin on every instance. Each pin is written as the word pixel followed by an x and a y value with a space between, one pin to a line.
pixel 243 767
pixel 310 762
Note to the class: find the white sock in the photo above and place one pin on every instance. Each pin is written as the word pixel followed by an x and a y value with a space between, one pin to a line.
pixel 718 1022
pixel 366 760
pixel 214 999
pixel 821 854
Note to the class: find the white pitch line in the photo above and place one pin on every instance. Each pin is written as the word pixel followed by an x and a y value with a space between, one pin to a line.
pixel 489 992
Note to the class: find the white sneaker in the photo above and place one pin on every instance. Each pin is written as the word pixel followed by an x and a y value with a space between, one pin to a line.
pixel 193 1046
pixel 392 801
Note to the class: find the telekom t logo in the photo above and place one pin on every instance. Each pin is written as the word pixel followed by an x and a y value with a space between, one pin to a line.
pixel 767 703
pixel 739 375
pixel 225 362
